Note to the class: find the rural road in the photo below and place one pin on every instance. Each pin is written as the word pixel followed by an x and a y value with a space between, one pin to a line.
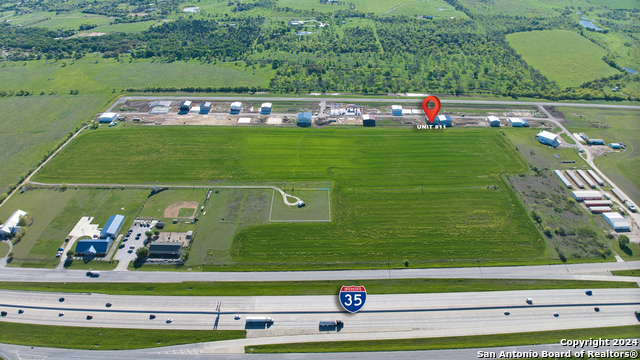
pixel 586 271
pixel 402 316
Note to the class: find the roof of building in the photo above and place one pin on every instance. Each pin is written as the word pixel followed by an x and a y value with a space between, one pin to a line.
pixel 266 105
pixel 205 104
pixel 547 135
pixel 109 115
pixel 599 208
pixel 113 225
pixel 165 248
pixel 186 103
pixel 515 120
pixel 616 220
pixel 368 117
pixel 93 245
pixel 236 104
pixel 396 107
pixel 444 117
pixel 12 222
pixel 492 118
pixel 586 193
pixel 304 116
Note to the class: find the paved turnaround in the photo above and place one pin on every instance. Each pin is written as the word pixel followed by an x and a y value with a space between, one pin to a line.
pixel 586 271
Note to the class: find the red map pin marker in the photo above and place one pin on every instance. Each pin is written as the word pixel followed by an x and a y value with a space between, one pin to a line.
pixel 431 113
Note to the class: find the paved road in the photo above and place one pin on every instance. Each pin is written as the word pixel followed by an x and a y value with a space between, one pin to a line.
pixel 296 317
pixel 587 271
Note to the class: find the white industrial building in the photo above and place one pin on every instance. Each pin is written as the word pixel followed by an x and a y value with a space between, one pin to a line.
pixel 493 121
pixel 107 117
pixel 586 195
pixel 572 175
pixel 595 177
pixel 396 110
pixel 265 108
pixel 516 122
pixel 11 225
pixel 564 180
pixel 236 107
pixel 548 138
pixel 585 177
pixel 616 221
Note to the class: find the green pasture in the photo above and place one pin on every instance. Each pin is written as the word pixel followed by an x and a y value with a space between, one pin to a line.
pixel 70 22
pixel 28 132
pixel 562 56
pixel 625 47
pixel 435 8
pixel 95 74
pixel 398 194
pixel 618 4
pixel 317 206
pixel 541 155
pixel 4 249
pixel 98 338
pixel 53 214
pixel 523 7
pixel 124 27
pixel 612 125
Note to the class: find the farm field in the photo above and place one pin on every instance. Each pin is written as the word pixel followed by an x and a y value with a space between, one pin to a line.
pixel 562 56
pixel 396 193
pixel 618 4
pixel 53 214
pixel 435 8
pixel 28 132
pixel 612 125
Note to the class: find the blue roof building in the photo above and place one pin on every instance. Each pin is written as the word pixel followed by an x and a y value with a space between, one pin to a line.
pixel 304 119
pixel 444 120
pixel 112 227
pixel 93 247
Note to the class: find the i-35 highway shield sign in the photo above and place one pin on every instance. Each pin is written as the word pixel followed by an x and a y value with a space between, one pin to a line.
pixel 352 298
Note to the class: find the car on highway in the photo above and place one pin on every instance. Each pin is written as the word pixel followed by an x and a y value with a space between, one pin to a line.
pixel 3 313
pixel 589 292
pixel 92 273
pixel 61 313
pixel 237 317
pixel 556 314
pixel 89 317
pixel 507 312
pixel 169 321
pixel 152 316
pixel 20 311
pixel 596 309
pixel 61 299
pixel 108 304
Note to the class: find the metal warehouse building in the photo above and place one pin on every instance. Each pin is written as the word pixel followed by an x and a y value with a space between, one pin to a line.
pixel 585 177
pixel 396 110
pixel 493 121
pixel 572 175
pixel 586 195
pixel 598 202
pixel 112 227
pixel 304 119
pixel 444 120
pixel 108 117
pixel 236 107
pixel 515 122
pixel 205 107
pixel 616 221
pixel 265 108
pixel 186 105
pixel 564 180
pixel 599 209
pixel 595 141
pixel 547 138
pixel 595 177
pixel 368 120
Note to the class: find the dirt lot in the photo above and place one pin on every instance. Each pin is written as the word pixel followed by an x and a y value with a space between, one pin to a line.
pixel 173 210
pixel 173 237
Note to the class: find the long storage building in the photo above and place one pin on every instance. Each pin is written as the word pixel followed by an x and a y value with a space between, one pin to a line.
pixel 586 195
pixel 599 209
pixel 112 227
pixel 564 180
pixel 595 177
pixel 598 202
pixel 619 195
pixel 586 178
pixel 572 175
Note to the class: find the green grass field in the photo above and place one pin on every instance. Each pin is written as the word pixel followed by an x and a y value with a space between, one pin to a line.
pixel 55 213
pixel 28 132
pixel 94 338
pixel 398 194
pixel 618 4
pixel 317 206
pixel 562 56
pixel 435 8
pixel 285 288
pixel 612 125
pixel 459 342
pixel 157 204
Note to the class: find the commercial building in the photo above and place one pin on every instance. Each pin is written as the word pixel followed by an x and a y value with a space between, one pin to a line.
pixel 112 227
pixel 304 119
pixel 368 120
pixel 444 120
pixel 107 117
pixel 186 105
pixel 236 107
pixel 265 108
pixel 493 121
pixel 564 180
pixel 11 225
pixel 165 249
pixel 396 110
pixel 572 175
pixel 586 195
pixel 547 138
pixel 595 177
pixel 93 247
pixel 599 209
pixel 595 141
pixel 515 122
pixel 616 221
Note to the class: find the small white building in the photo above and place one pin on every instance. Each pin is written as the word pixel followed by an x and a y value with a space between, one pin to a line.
pixel 396 110
pixel 11 225
pixel 547 138
pixel 616 221
pixel 236 107
pixel 265 108
pixel 107 117
pixel 493 121
pixel 586 195
pixel 515 122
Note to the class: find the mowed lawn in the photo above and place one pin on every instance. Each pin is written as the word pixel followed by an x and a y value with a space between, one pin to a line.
pixel 562 56
pixel 398 193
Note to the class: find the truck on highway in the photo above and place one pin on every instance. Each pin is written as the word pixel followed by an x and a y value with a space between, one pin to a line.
pixel 258 319
pixel 331 323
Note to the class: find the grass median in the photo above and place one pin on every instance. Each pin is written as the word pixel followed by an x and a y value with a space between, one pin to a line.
pixel 262 288
pixel 457 342
pixel 93 338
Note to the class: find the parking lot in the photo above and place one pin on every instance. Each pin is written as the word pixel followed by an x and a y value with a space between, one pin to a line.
pixel 132 240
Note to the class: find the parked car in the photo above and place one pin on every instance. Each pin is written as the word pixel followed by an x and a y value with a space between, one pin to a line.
pixel 58 254
pixel 132 247
pixel 121 246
